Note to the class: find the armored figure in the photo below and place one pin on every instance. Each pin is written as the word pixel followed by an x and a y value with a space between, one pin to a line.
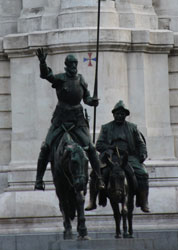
pixel 71 89
pixel 125 137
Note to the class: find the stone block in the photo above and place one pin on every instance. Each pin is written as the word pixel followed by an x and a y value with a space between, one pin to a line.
pixel 5 146
pixel 5 103
pixel 5 86
pixel 173 64
pixel 136 15
pixel 8 27
pixel 174 115
pixel 160 147
pixel 19 41
pixel 34 4
pixel 3 181
pixel 5 120
pixel 71 18
pixel 4 69
pixel 173 98
pixel 173 81
pixel 161 37
pixel 37 39
pixel 29 204
pixel 153 37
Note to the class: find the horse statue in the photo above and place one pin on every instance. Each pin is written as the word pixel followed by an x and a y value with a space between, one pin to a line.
pixel 120 192
pixel 70 176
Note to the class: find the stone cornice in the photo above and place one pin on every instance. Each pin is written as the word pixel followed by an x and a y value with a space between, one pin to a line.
pixel 75 40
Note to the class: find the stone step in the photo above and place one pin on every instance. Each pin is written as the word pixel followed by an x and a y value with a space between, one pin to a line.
pixel 94 223
pixel 144 240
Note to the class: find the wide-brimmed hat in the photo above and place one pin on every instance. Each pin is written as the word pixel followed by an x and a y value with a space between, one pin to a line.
pixel 121 105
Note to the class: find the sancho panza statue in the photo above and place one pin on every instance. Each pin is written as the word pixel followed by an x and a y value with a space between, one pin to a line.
pixel 127 138
pixel 71 89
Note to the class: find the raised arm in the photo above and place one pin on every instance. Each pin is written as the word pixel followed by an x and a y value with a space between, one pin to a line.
pixel 45 71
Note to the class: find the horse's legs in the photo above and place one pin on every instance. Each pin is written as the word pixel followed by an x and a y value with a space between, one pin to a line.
pixel 67 234
pixel 130 214
pixel 81 227
pixel 117 218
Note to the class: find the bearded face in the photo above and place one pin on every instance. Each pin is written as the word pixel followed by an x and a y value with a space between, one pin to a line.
pixel 71 65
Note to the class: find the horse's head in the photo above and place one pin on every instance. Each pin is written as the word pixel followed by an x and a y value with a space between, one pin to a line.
pixel 77 166
pixel 117 179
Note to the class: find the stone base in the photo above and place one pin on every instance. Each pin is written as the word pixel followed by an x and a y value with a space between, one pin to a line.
pixel 155 240
pixel 26 210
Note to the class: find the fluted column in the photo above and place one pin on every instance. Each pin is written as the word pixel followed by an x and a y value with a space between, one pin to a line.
pixel 136 14
pixel 167 12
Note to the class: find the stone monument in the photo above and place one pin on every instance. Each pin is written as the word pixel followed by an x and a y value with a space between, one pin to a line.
pixel 138 60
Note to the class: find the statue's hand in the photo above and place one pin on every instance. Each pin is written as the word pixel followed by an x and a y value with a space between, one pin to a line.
pixel 41 55
pixel 95 102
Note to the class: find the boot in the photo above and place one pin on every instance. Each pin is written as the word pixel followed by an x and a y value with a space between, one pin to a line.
pixel 144 201
pixel 93 193
pixel 41 167
pixel 95 163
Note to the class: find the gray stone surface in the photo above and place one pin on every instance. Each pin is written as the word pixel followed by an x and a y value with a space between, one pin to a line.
pixel 155 240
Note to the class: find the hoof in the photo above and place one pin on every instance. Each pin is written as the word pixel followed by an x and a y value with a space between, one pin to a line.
pixel 83 237
pixel 39 185
pixel 67 235
pixel 118 236
pixel 128 236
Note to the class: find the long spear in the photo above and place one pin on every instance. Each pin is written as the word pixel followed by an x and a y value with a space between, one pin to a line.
pixel 95 93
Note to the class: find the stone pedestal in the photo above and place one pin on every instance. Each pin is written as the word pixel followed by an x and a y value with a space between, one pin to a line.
pixel 133 66
pixel 136 14
pixel 167 12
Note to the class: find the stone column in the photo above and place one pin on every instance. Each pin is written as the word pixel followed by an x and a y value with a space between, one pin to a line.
pixel 38 15
pixel 149 90
pixel 9 12
pixel 136 14
pixel 167 12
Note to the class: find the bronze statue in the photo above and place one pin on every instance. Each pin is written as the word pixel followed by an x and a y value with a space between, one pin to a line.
pixel 71 89
pixel 118 191
pixel 70 174
pixel 127 138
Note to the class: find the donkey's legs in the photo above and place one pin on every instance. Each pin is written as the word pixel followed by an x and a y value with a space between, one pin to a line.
pixel 130 214
pixel 124 216
pixel 81 227
pixel 117 218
